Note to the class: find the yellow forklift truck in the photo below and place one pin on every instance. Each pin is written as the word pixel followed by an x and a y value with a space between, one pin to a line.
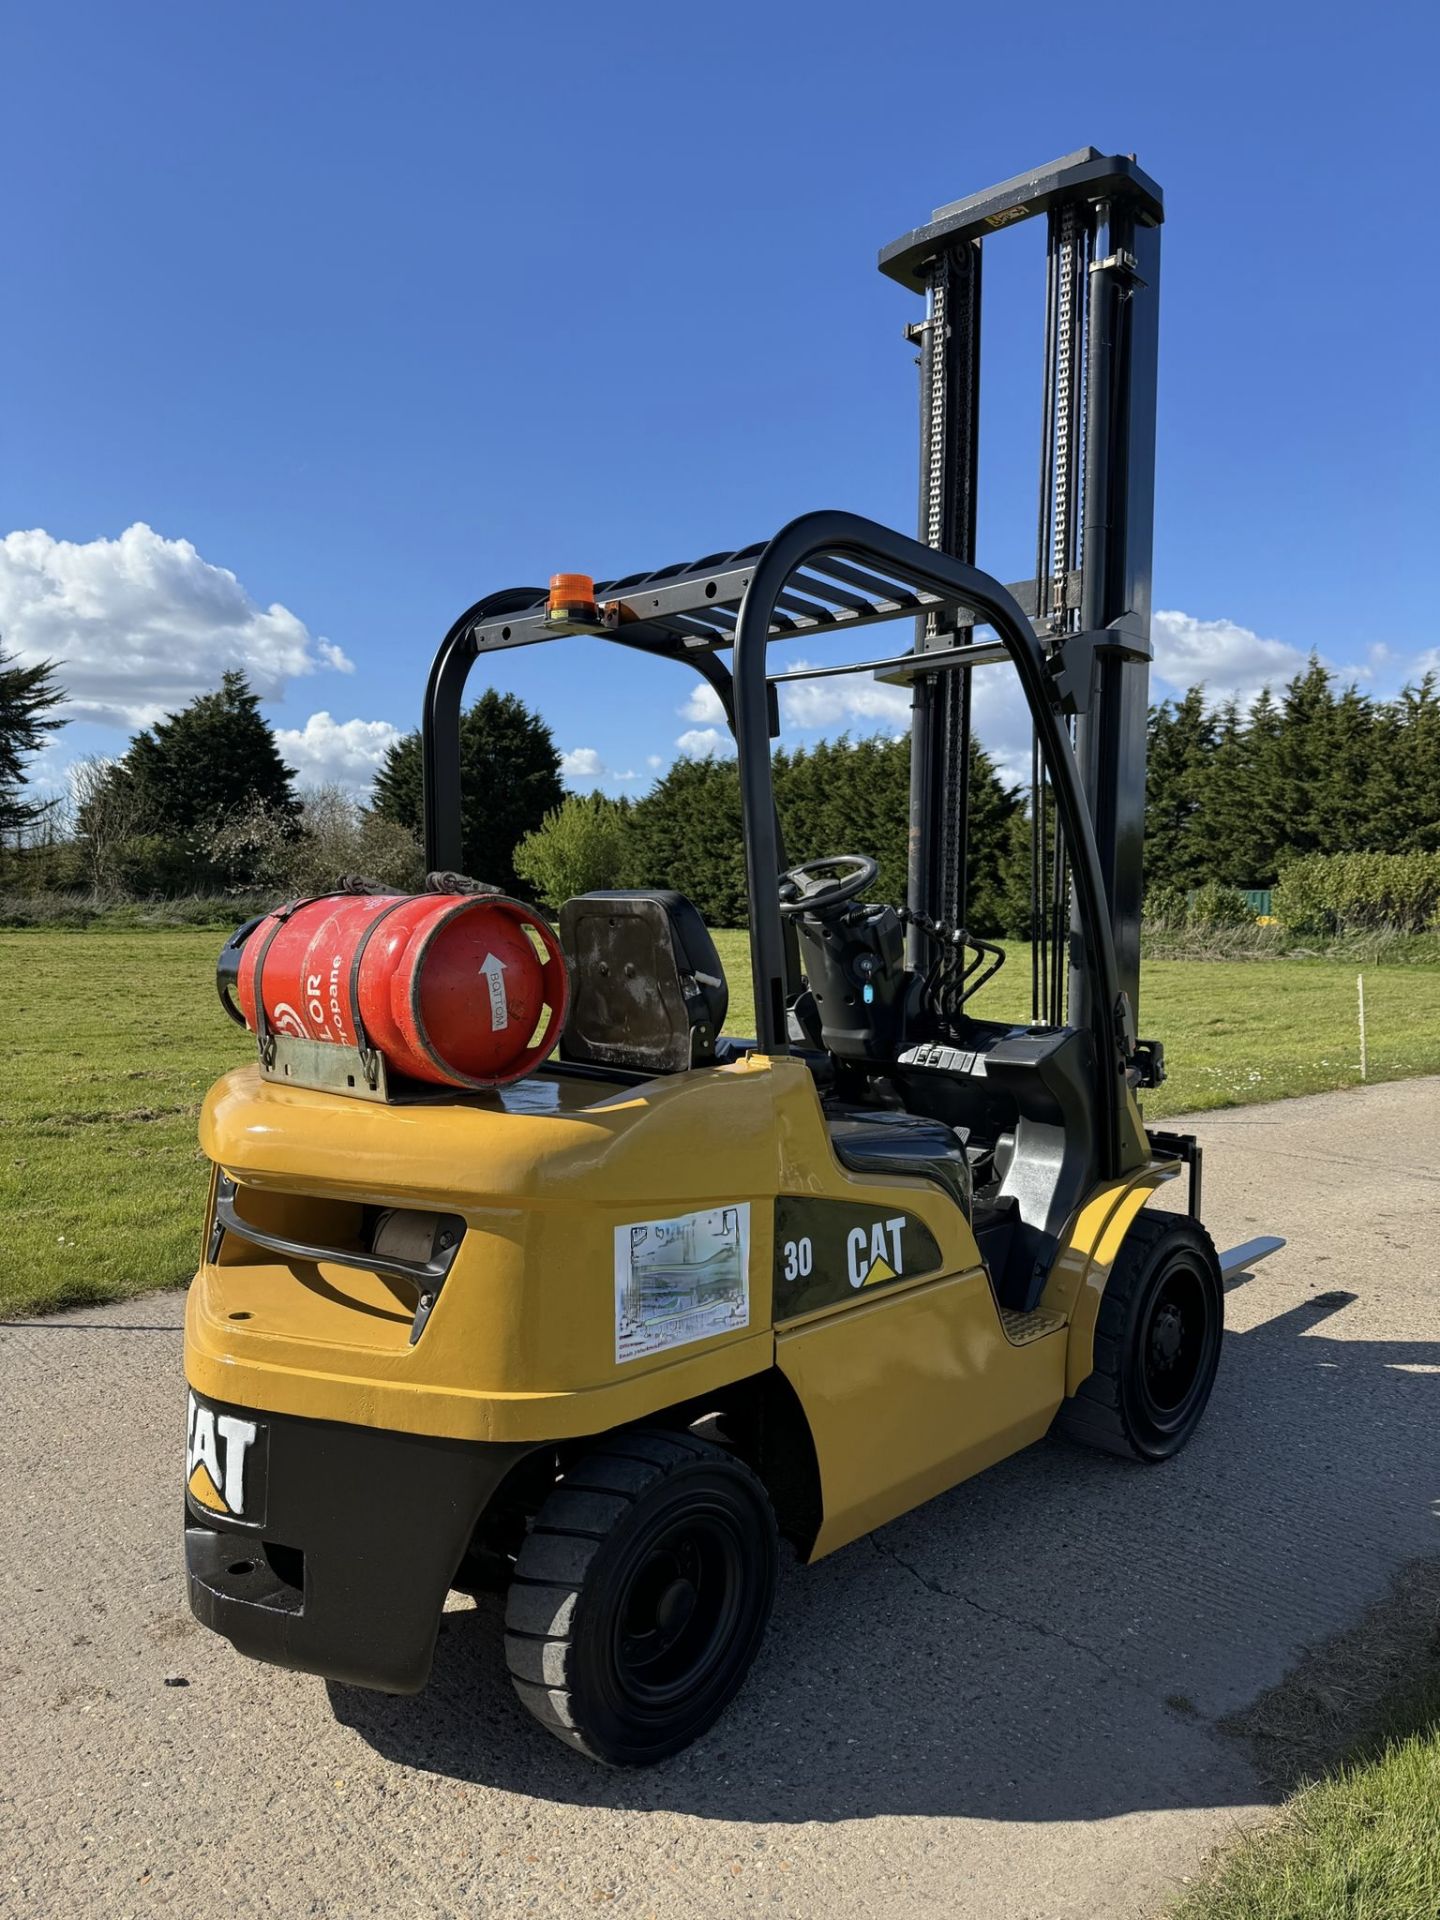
pixel 602 1334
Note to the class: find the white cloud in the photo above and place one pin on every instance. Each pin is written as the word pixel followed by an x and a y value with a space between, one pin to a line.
pixel 1231 661
pixel 582 763
pixel 588 763
pixel 842 701
pixel 704 705
pixel 1226 657
pixel 1228 660
pixel 867 706
pixel 345 753
pixel 710 734
pixel 704 743
pixel 1001 721
pixel 142 624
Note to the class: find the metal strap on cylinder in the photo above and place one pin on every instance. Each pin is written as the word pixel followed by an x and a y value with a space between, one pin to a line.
pixel 369 1058
pixel 265 1038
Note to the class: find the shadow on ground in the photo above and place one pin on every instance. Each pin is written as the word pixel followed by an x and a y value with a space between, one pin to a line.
pixel 1376 1681
pixel 1057 1640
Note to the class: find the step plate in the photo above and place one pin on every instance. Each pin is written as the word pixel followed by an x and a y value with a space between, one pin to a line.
pixel 1022 1328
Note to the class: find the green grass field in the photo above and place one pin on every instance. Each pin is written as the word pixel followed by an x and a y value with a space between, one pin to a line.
pixel 1363 1844
pixel 114 1037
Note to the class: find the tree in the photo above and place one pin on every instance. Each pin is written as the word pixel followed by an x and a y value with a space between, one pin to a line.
pixel 853 796
pixel 1414 766
pixel 1013 916
pixel 335 840
pixel 1256 796
pixel 579 846
pixel 1242 810
pixel 848 796
pixel 187 780
pixel 27 695
pixel 1235 797
pixel 839 796
pixel 685 833
pixel 995 813
pixel 339 838
pixel 215 757
pixel 509 781
pixel 107 812
pixel 1302 759
pixel 1181 751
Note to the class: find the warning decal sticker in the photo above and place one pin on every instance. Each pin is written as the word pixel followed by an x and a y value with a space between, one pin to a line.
pixel 681 1280
pixel 494 972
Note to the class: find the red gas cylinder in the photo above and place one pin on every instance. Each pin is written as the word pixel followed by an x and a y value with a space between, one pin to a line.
pixel 462 990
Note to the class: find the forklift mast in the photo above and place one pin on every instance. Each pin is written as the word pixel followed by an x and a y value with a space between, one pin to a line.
pixel 1093 536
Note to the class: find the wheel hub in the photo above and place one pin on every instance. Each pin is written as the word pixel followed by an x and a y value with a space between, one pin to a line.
pixel 678 1611
pixel 1167 1336
pixel 674 1607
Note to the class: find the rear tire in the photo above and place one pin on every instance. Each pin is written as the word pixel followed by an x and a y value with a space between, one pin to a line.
pixel 1157 1343
pixel 641 1596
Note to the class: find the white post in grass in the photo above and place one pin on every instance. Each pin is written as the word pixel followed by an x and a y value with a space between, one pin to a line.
pixel 1360 984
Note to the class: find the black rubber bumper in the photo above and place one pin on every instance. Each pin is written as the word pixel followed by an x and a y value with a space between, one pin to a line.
pixel 346 1571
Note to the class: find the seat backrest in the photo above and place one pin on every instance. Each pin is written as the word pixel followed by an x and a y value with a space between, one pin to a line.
pixel 647 988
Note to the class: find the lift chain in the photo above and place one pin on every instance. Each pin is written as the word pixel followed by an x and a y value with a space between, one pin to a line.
pixel 947 527
pixel 1067 365
pixel 936 342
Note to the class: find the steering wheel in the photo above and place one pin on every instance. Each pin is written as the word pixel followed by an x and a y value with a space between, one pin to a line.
pixel 804 889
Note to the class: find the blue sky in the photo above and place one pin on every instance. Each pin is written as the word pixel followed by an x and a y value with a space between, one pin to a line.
pixel 378 308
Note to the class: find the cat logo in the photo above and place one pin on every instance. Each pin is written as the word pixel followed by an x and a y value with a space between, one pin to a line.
pixel 877 1252
pixel 217 1447
pixel 837 1253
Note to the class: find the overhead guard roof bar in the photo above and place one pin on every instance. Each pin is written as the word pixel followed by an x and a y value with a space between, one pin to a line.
pixel 689 609
pixel 689 613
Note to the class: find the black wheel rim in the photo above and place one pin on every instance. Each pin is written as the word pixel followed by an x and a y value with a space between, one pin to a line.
pixel 1175 1357
pixel 679 1610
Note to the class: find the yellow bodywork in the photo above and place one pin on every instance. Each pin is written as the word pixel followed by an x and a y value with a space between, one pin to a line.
pixel 905 1392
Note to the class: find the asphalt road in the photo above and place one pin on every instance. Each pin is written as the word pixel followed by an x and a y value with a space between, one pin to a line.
pixel 1003 1705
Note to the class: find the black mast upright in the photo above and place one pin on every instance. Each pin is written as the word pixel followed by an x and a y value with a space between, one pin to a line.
pixel 1121 350
pixel 949 341
pixel 1096 515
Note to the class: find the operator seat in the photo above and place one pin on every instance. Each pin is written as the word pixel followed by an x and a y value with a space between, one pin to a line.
pixel 648 992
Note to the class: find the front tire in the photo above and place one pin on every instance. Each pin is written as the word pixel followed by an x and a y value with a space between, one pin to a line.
pixel 641 1596
pixel 1157 1343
